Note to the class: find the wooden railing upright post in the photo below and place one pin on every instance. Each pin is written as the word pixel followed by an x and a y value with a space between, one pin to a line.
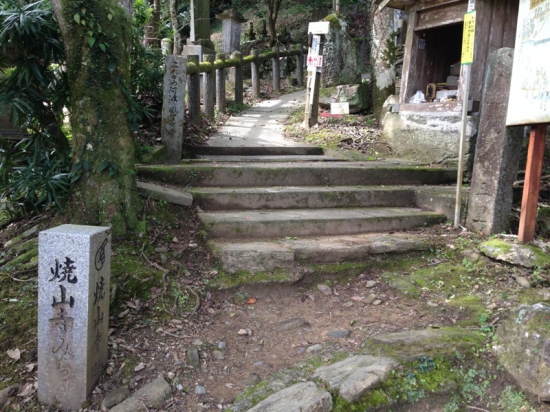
pixel 220 85
pixel 276 70
pixel 255 69
pixel 238 78
pixel 300 66
pixel 194 94
pixel 209 88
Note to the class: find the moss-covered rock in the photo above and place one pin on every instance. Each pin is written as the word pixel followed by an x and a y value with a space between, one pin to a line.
pixel 522 255
pixel 522 347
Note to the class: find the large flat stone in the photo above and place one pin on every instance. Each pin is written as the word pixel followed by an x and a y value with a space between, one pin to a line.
pixel 315 222
pixel 259 257
pixel 264 256
pixel 302 397
pixel 168 194
pixel 354 376
pixel 413 344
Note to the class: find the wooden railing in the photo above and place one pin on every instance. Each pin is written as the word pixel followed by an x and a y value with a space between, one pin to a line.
pixel 214 80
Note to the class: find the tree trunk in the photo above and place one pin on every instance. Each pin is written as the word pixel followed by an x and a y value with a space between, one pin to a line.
pixel 383 61
pixel 273 7
pixel 151 38
pixel 178 46
pixel 98 66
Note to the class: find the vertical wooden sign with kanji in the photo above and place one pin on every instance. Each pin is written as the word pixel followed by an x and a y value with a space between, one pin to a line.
pixel 73 312
pixel 314 61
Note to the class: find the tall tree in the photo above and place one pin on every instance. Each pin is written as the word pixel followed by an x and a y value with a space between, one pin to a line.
pixel 273 7
pixel 97 36
pixel 152 29
pixel 383 57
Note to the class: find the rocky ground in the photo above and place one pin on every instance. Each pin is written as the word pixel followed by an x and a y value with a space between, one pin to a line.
pixel 209 345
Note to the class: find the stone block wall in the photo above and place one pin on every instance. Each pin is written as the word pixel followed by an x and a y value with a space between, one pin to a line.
pixel 430 137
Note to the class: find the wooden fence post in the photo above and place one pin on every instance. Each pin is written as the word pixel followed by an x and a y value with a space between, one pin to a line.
pixel 209 87
pixel 300 66
pixel 220 85
pixel 255 69
pixel 238 77
pixel 194 94
pixel 276 70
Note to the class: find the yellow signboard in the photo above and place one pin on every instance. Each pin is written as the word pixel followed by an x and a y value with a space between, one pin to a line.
pixel 468 36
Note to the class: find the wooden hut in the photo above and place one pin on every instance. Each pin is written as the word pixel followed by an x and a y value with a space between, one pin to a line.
pixel 432 56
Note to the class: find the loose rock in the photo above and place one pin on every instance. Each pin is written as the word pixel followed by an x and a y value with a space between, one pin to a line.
pixel 292 323
pixel 314 348
pixel 354 376
pixel 115 397
pixel 150 396
pixel 340 333
pixel 200 390
pixel 304 396
pixel 371 284
pixel 193 356
pixel 325 289
pixel 369 299
pixel 523 282
pixel 218 355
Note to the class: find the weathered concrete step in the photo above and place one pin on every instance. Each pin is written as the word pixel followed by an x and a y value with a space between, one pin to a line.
pixel 297 174
pixel 293 197
pixel 315 222
pixel 168 194
pixel 256 150
pixel 268 255
pixel 256 159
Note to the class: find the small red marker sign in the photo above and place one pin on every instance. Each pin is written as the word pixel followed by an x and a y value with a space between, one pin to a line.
pixel 315 61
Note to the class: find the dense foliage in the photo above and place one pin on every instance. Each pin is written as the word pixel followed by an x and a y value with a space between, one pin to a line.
pixel 33 165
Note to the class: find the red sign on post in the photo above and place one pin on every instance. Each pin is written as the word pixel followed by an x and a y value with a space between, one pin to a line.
pixel 315 61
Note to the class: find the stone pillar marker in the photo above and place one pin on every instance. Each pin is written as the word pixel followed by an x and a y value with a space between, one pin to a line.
pixel 498 151
pixel 74 264
pixel 173 107
pixel 231 30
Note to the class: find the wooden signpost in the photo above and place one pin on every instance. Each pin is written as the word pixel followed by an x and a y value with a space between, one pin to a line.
pixel 314 67
pixel 530 101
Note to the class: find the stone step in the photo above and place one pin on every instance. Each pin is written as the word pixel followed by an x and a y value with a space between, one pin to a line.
pixel 256 150
pixel 268 255
pixel 314 222
pixel 257 159
pixel 297 174
pixel 294 197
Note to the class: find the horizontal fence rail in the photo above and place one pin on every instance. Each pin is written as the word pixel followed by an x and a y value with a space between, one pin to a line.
pixel 213 71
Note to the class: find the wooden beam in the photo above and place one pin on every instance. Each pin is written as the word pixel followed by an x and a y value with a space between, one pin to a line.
pixel 531 188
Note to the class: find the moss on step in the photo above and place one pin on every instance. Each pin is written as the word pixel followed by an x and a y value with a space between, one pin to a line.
pixel 406 384
pixel 446 341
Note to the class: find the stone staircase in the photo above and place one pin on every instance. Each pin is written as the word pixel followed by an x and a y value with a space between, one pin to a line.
pixel 271 210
